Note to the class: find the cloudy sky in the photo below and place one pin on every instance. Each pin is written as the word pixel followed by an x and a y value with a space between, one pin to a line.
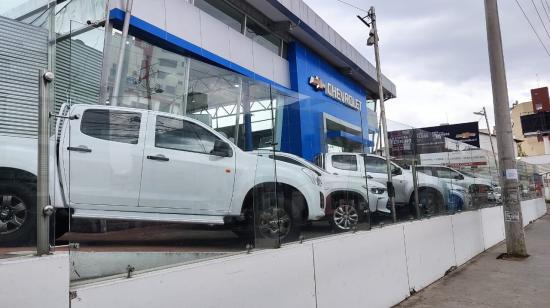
pixel 435 51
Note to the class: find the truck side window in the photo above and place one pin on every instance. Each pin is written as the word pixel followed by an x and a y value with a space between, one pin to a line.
pixel 425 170
pixel 444 173
pixel 375 165
pixel 447 173
pixel 177 134
pixel 345 162
pixel 111 125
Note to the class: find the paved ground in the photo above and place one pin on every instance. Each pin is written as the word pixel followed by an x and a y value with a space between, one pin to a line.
pixel 488 282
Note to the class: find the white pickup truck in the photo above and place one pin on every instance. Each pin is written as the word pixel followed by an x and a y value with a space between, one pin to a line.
pixel 132 164
pixel 347 199
pixel 433 193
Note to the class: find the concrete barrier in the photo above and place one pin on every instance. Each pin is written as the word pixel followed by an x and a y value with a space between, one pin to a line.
pixel 95 264
pixel 467 236
pixel 532 210
pixel 492 221
pixel 368 267
pixel 35 281
pixel 541 208
pixel 374 268
pixel 436 236
pixel 271 278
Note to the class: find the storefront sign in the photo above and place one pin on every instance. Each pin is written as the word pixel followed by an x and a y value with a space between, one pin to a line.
pixel 334 92
pixel 455 159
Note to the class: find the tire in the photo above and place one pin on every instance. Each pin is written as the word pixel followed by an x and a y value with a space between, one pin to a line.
pixel 431 202
pixel 345 216
pixel 60 225
pixel 274 219
pixel 17 214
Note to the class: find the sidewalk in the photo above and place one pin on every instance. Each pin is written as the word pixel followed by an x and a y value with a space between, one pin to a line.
pixel 488 282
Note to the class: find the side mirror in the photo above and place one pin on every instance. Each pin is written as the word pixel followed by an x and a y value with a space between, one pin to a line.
pixel 222 149
pixel 396 171
pixel 459 177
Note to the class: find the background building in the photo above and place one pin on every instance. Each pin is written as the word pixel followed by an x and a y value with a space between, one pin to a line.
pixel 529 123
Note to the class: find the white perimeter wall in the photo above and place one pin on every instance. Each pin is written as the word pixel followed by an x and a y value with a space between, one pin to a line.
pixel 376 268
pixel 35 281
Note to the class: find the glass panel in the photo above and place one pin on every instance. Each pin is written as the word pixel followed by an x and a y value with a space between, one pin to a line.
pixel 111 125
pixel 426 192
pixel 154 167
pixel 262 36
pixel 222 11
pixel 24 52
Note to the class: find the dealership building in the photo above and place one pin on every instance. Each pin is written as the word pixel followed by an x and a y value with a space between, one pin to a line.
pixel 264 72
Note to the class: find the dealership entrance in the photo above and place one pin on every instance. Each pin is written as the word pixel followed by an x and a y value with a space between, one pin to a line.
pixel 341 136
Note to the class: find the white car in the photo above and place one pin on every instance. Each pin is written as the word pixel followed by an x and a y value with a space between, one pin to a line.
pixel 132 164
pixel 433 193
pixel 346 199
pixel 478 188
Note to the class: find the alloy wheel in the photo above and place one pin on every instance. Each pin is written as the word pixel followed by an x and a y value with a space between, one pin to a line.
pixel 13 213
pixel 274 223
pixel 345 217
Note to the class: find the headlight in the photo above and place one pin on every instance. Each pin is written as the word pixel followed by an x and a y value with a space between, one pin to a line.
pixel 377 191
pixel 315 179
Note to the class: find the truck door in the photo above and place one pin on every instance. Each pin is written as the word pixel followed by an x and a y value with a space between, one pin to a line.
pixel 103 155
pixel 180 171
pixel 377 169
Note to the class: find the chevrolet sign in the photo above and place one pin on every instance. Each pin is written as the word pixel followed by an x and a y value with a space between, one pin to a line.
pixel 334 92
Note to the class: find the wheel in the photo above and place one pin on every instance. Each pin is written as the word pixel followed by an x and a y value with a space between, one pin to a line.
pixel 17 214
pixel 345 216
pixel 274 219
pixel 430 201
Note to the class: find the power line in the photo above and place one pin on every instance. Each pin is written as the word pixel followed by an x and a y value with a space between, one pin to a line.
pixel 540 17
pixel 353 6
pixel 545 10
pixel 532 27
pixel 547 5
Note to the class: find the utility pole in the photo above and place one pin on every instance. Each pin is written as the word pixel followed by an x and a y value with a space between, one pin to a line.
pixel 515 237
pixel 373 40
pixel 484 113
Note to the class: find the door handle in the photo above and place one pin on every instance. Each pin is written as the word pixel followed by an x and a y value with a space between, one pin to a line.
pixel 159 157
pixel 80 148
pixel 369 176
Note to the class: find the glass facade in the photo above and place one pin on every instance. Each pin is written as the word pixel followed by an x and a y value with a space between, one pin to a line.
pixel 225 12
pixel 195 160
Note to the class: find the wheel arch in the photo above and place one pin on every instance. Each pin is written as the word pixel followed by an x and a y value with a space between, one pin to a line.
pixel 302 210
pixel 427 188
pixel 8 174
pixel 339 194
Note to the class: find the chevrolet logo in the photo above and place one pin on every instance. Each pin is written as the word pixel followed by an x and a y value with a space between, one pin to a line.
pixel 465 135
pixel 317 83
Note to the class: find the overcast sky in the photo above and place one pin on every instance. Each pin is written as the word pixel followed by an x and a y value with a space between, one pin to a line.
pixel 435 51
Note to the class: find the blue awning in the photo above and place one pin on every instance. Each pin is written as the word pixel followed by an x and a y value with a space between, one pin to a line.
pixel 349 136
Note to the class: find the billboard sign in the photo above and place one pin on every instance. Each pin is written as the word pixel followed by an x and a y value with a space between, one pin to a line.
pixel 432 139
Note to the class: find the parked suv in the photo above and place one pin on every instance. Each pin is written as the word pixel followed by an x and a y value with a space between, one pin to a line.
pixel 132 164
pixel 433 194
pixel 480 189
pixel 346 199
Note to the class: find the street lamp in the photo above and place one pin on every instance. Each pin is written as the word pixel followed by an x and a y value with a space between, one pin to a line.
pixel 483 113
